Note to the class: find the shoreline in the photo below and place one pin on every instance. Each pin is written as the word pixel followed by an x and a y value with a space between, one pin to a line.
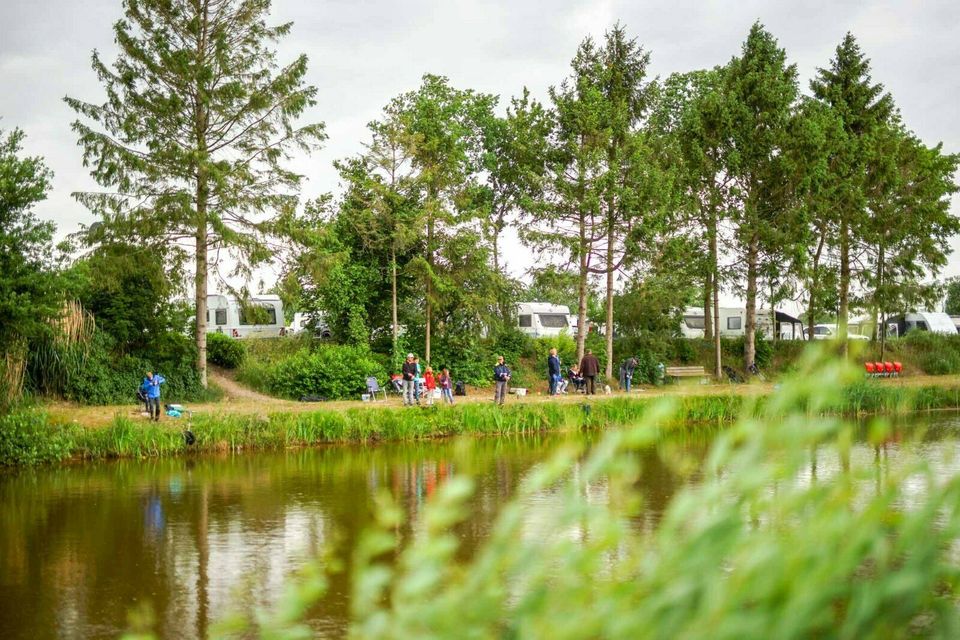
pixel 38 435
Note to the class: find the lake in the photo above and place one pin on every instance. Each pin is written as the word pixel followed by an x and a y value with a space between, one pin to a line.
pixel 189 538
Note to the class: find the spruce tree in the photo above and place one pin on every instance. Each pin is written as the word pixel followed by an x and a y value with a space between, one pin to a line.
pixel 191 141
pixel 862 110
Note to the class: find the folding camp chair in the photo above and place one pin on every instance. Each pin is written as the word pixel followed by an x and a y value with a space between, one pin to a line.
pixel 373 388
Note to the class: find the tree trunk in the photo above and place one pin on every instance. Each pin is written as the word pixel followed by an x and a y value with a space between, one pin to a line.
pixel 393 295
pixel 200 284
pixel 879 304
pixel 610 246
pixel 582 290
pixel 429 302
pixel 203 195
pixel 750 325
pixel 707 306
pixel 814 285
pixel 715 282
pixel 844 309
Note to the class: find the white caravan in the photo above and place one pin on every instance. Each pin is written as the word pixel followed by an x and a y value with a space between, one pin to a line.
pixel 300 322
pixel 733 321
pixel 544 320
pixel 933 321
pixel 261 317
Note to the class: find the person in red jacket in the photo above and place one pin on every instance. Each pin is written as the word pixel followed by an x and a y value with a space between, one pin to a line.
pixel 430 384
pixel 589 369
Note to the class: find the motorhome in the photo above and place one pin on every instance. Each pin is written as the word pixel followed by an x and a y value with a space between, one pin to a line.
pixel 933 321
pixel 259 317
pixel 544 320
pixel 733 321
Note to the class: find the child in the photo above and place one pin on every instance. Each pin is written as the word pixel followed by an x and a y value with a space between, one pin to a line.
pixel 430 384
pixel 446 386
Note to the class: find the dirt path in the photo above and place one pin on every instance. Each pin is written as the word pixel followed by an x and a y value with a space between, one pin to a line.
pixel 241 400
pixel 233 390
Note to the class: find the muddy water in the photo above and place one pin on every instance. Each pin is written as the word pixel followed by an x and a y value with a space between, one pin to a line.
pixel 186 539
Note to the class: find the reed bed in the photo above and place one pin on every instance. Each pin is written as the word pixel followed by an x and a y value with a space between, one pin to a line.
pixel 29 437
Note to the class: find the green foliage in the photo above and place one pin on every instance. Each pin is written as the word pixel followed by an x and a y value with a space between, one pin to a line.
pixel 27 437
pixel 952 303
pixel 224 351
pixel 96 374
pixel 330 371
pixel 934 353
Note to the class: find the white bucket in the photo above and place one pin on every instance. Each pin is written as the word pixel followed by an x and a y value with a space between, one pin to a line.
pixel 520 391
pixel 365 397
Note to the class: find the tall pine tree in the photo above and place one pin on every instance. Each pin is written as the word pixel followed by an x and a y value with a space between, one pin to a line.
pixel 191 141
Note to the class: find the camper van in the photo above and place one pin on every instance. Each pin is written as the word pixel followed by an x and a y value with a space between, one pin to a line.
pixel 544 320
pixel 733 322
pixel 933 321
pixel 261 317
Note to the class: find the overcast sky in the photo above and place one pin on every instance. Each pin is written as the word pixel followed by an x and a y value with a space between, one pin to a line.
pixel 363 52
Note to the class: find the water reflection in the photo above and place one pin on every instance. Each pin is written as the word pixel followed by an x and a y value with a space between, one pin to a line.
pixel 83 545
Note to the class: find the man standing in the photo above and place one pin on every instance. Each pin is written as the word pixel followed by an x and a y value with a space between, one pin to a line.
pixel 409 372
pixel 553 371
pixel 152 384
pixel 589 368
pixel 501 376
pixel 627 368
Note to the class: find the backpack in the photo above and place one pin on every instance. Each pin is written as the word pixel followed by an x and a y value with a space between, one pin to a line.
pixel 459 388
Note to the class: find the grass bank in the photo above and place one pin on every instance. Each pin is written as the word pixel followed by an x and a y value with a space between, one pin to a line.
pixel 30 437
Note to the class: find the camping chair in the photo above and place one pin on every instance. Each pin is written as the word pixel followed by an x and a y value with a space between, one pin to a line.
pixel 897 369
pixel 373 388
pixel 732 374
pixel 871 370
pixel 880 370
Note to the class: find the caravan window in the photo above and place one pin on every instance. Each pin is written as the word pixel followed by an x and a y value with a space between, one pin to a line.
pixel 526 320
pixel 258 314
pixel 733 324
pixel 694 322
pixel 553 320
pixel 221 316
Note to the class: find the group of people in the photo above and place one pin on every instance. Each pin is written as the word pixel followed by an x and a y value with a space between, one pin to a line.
pixel 416 383
pixel 583 376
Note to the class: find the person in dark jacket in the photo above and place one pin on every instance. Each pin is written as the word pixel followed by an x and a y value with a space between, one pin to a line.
pixel 589 369
pixel 553 371
pixel 627 367
pixel 409 373
pixel 501 377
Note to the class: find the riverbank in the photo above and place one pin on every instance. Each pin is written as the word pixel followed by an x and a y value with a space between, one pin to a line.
pixel 40 435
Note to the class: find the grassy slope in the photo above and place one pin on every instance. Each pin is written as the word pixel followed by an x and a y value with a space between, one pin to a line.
pixel 256 424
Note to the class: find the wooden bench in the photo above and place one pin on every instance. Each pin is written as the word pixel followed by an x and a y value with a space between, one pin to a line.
pixel 687 372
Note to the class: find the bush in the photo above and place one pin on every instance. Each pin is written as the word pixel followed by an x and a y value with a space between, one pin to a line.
pixel 224 351
pixel 102 378
pixel 332 372
pixel 26 437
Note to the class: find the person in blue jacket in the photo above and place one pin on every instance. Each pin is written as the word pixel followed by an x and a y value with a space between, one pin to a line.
pixel 554 371
pixel 151 385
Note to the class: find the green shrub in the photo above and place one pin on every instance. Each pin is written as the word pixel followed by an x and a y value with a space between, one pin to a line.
pixel 26 437
pixel 103 378
pixel 224 351
pixel 332 372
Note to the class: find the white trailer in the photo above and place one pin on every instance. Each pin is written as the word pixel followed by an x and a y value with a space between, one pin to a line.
pixel 733 322
pixel 933 321
pixel 544 320
pixel 260 317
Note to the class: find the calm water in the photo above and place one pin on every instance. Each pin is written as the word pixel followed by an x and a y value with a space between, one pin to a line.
pixel 83 545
